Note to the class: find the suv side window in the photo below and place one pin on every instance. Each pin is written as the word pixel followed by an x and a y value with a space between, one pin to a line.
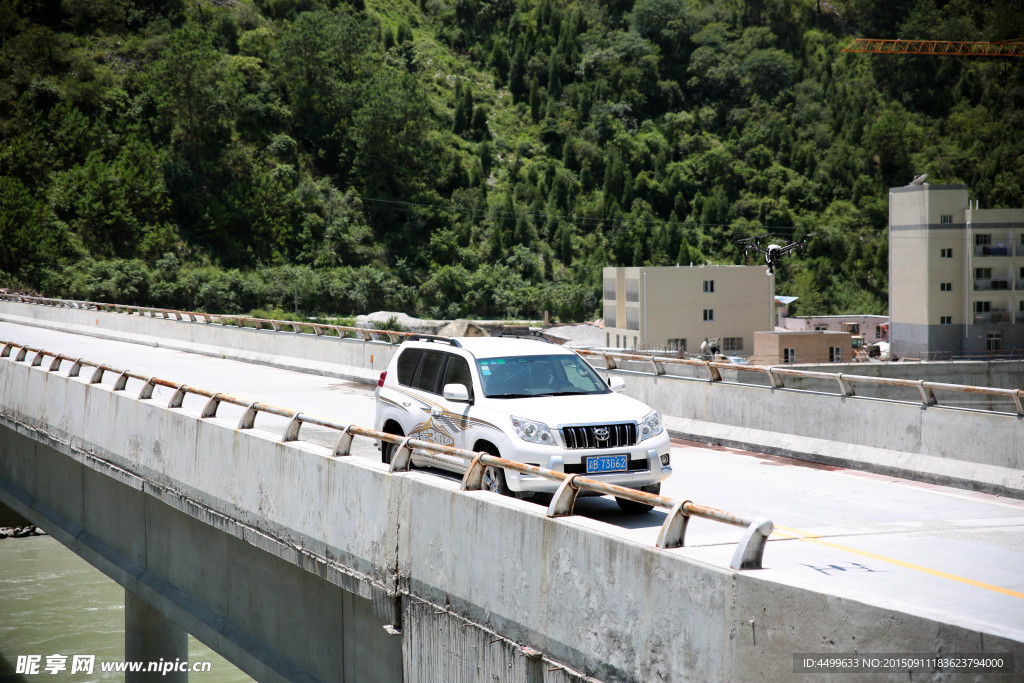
pixel 407 363
pixel 457 372
pixel 429 373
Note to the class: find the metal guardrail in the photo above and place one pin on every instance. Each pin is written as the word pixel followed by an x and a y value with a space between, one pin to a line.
pixel 776 377
pixel 776 374
pixel 319 329
pixel 748 555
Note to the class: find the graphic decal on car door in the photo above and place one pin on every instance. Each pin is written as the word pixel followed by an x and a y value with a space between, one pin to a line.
pixel 429 431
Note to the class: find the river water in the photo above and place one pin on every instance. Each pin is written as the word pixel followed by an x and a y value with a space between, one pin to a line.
pixel 54 602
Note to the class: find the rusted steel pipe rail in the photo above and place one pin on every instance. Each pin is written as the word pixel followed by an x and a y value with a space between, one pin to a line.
pixel 318 329
pixel 776 377
pixel 776 374
pixel 748 555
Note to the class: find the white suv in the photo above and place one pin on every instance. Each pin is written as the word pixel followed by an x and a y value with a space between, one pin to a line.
pixel 526 400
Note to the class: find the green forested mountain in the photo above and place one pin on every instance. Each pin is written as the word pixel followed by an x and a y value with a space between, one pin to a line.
pixel 479 158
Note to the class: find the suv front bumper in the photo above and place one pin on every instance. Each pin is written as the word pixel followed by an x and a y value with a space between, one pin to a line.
pixel 653 451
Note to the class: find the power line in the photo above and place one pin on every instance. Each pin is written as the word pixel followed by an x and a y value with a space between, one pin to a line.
pixel 579 220
pixel 786 231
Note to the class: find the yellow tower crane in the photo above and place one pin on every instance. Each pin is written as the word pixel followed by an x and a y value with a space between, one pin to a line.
pixel 1003 48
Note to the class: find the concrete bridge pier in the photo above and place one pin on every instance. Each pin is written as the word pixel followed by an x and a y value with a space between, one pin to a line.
pixel 150 637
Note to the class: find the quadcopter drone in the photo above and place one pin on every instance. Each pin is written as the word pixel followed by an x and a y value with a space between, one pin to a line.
pixel 773 253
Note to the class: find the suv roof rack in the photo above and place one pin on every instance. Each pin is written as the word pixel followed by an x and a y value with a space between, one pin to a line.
pixel 534 337
pixel 435 338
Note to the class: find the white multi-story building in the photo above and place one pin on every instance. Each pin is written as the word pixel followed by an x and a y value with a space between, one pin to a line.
pixel 674 308
pixel 956 274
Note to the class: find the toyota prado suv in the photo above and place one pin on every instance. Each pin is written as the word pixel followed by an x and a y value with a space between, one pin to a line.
pixel 522 399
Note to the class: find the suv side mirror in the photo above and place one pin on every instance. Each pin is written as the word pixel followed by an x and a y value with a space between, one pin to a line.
pixel 456 392
pixel 616 384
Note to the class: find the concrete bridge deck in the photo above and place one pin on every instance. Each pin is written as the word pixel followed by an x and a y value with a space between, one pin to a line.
pixel 920 554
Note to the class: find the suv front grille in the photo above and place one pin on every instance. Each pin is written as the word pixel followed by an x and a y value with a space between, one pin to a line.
pixel 581 468
pixel 600 436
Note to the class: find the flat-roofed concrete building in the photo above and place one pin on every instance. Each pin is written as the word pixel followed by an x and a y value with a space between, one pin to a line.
pixel 956 274
pixel 874 328
pixel 802 346
pixel 674 308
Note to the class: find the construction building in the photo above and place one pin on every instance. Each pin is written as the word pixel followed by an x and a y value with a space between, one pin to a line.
pixel 956 274
pixel 802 346
pixel 865 330
pixel 675 308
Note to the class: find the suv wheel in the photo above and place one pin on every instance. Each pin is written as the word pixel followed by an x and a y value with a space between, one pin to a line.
pixel 388 449
pixel 632 506
pixel 494 477
pixel 494 480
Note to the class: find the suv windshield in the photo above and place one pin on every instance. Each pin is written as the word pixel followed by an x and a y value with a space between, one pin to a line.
pixel 555 375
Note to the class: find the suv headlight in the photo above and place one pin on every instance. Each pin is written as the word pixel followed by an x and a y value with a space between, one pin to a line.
pixel 532 431
pixel 651 426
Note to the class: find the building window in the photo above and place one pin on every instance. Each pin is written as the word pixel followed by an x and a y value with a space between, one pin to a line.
pixel 835 354
pixel 733 344
pixel 632 318
pixel 618 343
pixel 609 315
pixel 677 345
pixel 945 286
pixel 983 273
pixel 607 338
pixel 982 306
pixel 946 320
pixel 709 315
pixel 946 253
pixel 788 355
pixel 609 289
pixel 994 341
pixel 946 219
pixel 709 286
pixel 880 332
pixel 820 328
pixel 982 240
pixel 632 290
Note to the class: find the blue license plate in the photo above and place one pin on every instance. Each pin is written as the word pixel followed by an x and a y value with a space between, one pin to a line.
pixel 607 463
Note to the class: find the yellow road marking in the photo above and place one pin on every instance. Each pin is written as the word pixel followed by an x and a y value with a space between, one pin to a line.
pixel 807 536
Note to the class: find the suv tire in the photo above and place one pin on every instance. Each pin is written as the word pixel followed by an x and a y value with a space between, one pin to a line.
pixel 494 477
pixel 388 449
pixel 631 506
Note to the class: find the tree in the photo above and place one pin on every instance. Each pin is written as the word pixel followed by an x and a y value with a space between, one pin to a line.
pixel 320 65
pixel 28 242
pixel 187 84
pixel 517 76
pixel 388 134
